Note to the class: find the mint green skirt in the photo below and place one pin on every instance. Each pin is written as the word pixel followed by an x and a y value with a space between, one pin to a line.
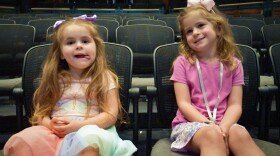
pixel 107 141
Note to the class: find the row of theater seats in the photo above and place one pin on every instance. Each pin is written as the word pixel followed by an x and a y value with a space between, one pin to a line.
pixel 138 39
pixel 259 40
pixel 258 34
pixel 120 59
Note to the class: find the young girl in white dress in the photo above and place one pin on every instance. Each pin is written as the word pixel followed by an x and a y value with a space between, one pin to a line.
pixel 77 102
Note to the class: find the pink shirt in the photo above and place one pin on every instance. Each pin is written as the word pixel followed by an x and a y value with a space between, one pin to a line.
pixel 187 73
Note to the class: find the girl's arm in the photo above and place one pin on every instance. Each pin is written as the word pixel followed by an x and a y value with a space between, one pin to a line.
pixel 48 122
pixel 234 109
pixel 184 103
pixel 106 119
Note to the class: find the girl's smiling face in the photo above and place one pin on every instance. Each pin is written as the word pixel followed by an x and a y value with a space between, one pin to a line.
pixel 200 34
pixel 78 48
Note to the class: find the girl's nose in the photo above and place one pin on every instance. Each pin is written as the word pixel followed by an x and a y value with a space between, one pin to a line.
pixel 79 45
pixel 196 31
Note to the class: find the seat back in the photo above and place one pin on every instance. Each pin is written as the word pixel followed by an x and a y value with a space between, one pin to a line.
pixel 274 52
pixel 255 16
pixel 111 25
pixel 146 21
pixel 119 59
pixel 23 20
pixel 172 22
pixel 41 26
pixel 277 21
pixel 128 17
pixel 48 16
pixel 110 16
pixel 7 16
pixel 103 31
pixel 250 89
pixel 15 40
pixel 32 67
pixel 136 16
pixel 242 35
pixel 270 20
pixel 49 31
pixel 164 56
pixel 143 39
pixel 255 26
pixel 271 34
pixel 166 100
pixel 124 20
pixel 7 21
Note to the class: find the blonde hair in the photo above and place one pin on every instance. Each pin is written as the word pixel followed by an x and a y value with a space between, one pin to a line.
pixel 55 69
pixel 226 47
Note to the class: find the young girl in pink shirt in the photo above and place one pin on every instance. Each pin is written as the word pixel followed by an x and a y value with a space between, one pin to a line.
pixel 208 79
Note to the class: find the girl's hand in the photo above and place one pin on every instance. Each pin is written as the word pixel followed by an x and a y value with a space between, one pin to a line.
pixel 57 122
pixel 65 126
pixel 224 131
pixel 213 125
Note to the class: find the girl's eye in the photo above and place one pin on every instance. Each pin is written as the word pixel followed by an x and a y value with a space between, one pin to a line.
pixel 201 25
pixel 70 42
pixel 85 41
pixel 188 32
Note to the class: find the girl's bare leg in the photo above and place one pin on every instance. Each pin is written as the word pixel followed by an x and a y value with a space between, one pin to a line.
pixel 208 141
pixel 89 151
pixel 241 143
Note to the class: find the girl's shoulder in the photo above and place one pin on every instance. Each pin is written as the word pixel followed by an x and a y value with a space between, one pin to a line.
pixel 182 59
pixel 182 63
pixel 237 61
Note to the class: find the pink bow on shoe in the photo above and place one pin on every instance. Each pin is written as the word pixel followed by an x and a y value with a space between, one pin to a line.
pixel 208 4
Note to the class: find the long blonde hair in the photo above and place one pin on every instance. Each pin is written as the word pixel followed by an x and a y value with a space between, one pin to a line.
pixel 226 47
pixel 55 69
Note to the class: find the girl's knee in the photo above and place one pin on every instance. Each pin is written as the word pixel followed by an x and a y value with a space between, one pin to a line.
pixel 238 134
pixel 210 135
pixel 89 151
pixel 208 138
pixel 16 146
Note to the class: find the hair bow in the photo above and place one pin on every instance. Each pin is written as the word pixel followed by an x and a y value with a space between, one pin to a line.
pixel 208 4
pixel 84 17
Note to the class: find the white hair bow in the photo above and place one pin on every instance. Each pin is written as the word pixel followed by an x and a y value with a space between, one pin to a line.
pixel 84 17
pixel 208 4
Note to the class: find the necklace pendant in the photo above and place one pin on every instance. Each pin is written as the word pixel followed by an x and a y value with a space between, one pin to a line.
pixel 74 103
pixel 213 120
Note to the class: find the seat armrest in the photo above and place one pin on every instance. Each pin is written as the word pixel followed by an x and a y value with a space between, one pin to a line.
pixel 134 95
pixel 151 94
pixel 17 93
pixel 151 91
pixel 265 101
pixel 272 89
pixel 134 92
pixel 18 96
